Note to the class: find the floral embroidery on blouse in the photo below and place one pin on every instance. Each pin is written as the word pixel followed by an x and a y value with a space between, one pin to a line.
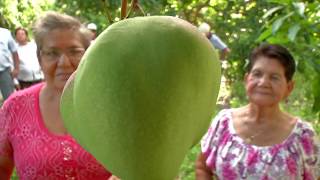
pixel 230 158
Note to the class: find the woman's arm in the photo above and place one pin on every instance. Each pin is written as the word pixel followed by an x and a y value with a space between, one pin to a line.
pixel 6 151
pixel 202 171
pixel 6 168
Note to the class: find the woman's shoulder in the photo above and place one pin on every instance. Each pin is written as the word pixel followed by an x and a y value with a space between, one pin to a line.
pixel 221 119
pixel 238 112
pixel 20 97
pixel 21 107
pixel 229 114
pixel 304 128
pixel 305 136
pixel 224 113
pixel 308 143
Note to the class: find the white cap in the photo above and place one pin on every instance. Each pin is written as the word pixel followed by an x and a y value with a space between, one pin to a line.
pixel 92 26
pixel 204 28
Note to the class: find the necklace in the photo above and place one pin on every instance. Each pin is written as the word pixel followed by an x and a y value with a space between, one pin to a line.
pixel 250 138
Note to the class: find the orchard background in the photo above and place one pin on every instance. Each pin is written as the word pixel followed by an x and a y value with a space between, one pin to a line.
pixel 242 24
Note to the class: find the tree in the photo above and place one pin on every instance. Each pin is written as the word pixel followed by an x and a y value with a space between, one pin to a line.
pixel 21 12
pixel 297 25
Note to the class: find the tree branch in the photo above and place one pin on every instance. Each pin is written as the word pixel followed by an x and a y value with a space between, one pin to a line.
pixel 198 9
pixel 124 4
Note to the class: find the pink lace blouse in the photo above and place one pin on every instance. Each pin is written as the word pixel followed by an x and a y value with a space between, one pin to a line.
pixel 37 153
pixel 230 158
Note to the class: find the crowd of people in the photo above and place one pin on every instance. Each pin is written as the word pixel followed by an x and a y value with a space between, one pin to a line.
pixel 256 141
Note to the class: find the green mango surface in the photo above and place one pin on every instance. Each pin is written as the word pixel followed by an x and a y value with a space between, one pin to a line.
pixel 143 95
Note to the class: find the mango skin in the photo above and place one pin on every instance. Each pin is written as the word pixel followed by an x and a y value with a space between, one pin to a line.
pixel 143 95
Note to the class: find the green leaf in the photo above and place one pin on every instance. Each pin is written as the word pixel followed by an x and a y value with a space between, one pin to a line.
pixel 307 37
pixel 293 32
pixel 301 66
pixel 316 92
pixel 316 105
pixel 284 2
pixel 271 11
pixel 264 35
pixel 278 23
pixel 278 39
pixel 300 7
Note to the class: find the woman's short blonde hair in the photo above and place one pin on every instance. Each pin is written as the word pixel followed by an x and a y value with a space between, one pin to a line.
pixel 54 20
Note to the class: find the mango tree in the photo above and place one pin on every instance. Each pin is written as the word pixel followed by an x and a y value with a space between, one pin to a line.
pixel 297 25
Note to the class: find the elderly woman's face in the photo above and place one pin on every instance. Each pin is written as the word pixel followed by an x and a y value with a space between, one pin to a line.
pixel 266 84
pixel 60 55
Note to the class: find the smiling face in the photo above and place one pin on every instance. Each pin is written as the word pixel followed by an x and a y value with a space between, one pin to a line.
pixel 266 84
pixel 60 55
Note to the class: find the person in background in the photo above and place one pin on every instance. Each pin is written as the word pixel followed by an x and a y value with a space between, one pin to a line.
pixel 215 40
pixel 93 29
pixel 224 93
pixel 259 140
pixel 32 134
pixel 8 51
pixel 30 71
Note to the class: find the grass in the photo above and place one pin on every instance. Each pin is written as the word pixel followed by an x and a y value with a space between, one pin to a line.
pixel 187 168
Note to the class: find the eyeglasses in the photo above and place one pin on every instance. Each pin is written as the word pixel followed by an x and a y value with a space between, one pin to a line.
pixel 55 55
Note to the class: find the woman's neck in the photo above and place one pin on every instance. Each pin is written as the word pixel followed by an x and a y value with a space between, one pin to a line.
pixel 51 93
pixel 22 43
pixel 261 114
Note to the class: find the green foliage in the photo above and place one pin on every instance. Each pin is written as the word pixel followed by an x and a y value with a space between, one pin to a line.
pixel 297 27
pixel 21 13
pixel 187 168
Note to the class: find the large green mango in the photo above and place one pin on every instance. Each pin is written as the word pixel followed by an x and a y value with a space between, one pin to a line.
pixel 143 95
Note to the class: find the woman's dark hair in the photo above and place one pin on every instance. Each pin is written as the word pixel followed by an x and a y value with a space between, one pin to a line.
pixel 277 52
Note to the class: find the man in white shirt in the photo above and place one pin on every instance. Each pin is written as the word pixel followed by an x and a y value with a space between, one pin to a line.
pixel 224 94
pixel 215 40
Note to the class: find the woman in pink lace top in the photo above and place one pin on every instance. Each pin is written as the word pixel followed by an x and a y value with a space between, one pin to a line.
pixel 32 134
pixel 259 141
